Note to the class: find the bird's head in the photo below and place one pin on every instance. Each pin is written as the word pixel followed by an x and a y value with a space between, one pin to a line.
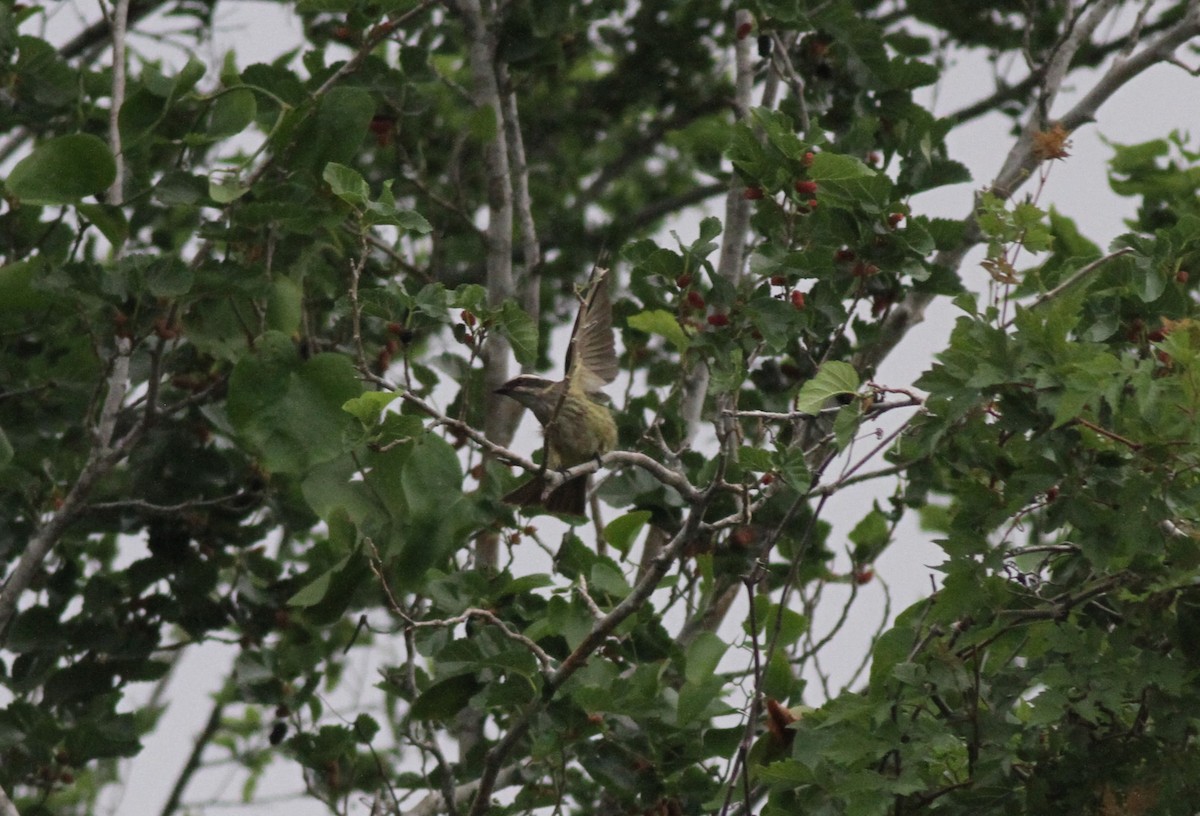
pixel 538 394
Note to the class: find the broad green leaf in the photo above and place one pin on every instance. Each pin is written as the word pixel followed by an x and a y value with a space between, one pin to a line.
pixel 521 332
pixel 232 112
pixel 607 578
pixel 870 536
pixel 368 406
pixel 226 187
pixel 848 182
pixel 622 531
pixel 662 323
pixel 444 700
pixel 290 410
pixel 108 219
pixel 703 656
pixel 285 305
pixel 168 277
pixel 326 597
pixel 347 184
pixel 334 132
pixel 18 293
pixel 63 170
pixel 696 699
pixel 833 379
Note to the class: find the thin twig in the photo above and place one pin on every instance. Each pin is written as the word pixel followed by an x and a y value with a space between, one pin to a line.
pixel 577 659
pixel 120 20
pixel 103 457
pixel 193 761
pixel 1075 278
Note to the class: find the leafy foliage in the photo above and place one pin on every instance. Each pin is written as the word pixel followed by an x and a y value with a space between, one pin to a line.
pixel 250 329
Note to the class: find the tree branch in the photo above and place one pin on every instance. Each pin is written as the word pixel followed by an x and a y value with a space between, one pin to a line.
pixel 1020 162
pixel 630 604
pixel 104 455
pixel 120 19
pixel 7 808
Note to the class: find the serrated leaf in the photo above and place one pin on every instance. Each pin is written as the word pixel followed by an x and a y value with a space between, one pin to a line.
pixel 847 181
pixel 833 378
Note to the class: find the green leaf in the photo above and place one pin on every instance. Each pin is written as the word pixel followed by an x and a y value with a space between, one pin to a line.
pixel 335 132
pixel 290 410
pixel 232 112
pixel 521 331
pixel 18 293
pixel 607 578
pixel 870 536
pixel 662 323
pixel 833 378
pixel 847 181
pixel 226 187
pixel 367 407
pixel 63 170
pixel 444 700
pixel 168 277
pixel 703 655
pixel 622 531
pixel 347 184
pixel 108 219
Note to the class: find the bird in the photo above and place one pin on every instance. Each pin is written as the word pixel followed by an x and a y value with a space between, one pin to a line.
pixel 577 424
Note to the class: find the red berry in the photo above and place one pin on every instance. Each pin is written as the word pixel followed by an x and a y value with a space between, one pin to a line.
pixel 863 576
pixel 767 478
pixel 382 127
pixel 342 33
pixel 1052 494
pixel 797 298
pixel 743 31
pixel 808 159
pixel 873 158
pixel 895 218
pixel 467 317
pixel 1157 336
pixel 812 203
pixel 778 280
pixel 1181 276
pixel 753 193
pixel 695 300
pixel 843 255
pixel 806 188
pixel 864 270
pixel 683 281
pixel 395 328
pixel 718 320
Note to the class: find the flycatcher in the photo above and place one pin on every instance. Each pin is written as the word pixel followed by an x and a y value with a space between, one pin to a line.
pixel 577 425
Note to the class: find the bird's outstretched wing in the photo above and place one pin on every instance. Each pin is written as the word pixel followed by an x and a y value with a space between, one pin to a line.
pixel 591 354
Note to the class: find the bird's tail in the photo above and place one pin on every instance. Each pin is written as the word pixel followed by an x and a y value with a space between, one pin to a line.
pixel 569 498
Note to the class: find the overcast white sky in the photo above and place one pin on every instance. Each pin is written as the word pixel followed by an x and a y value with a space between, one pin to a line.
pixel 1150 107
